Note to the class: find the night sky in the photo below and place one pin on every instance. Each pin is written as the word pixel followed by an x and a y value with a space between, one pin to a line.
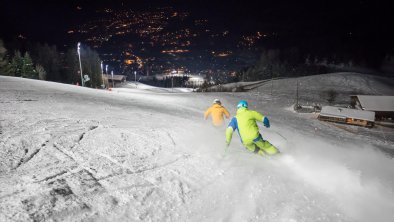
pixel 358 25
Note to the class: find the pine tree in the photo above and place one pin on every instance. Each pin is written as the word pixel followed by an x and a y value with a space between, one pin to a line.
pixel 16 64
pixel 71 67
pixel 49 58
pixel 91 66
pixel 4 63
pixel 27 69
pixel 3 52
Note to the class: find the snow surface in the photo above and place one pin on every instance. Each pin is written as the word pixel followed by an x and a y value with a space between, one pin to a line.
pixel 70 153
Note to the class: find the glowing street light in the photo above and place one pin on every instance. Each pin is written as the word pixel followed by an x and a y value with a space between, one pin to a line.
pixel 80 64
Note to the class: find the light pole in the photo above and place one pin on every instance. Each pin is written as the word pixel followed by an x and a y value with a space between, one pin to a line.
pixel 112 73
pixel 80 64
pixel 106 72
pixel 135 77
pixel 102 73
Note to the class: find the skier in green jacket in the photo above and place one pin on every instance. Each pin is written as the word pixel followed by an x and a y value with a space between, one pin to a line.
pixel 245 123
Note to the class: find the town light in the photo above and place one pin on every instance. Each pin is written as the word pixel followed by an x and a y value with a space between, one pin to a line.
pixel 80 64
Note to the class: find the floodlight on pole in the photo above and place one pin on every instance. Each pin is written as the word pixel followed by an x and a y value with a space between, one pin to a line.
pixel 102 73
pixel 80 64
pixel 135 78
pixel 112 73
pixel 106 72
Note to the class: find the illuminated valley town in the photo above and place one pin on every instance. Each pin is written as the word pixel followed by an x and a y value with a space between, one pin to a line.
pixel 165 41
pixel 198 42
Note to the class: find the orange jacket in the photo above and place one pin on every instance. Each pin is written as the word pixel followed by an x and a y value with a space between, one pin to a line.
pixel 217 112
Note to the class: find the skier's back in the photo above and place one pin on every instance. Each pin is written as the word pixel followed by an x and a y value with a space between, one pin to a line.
pixel 217 111
pixel 245 123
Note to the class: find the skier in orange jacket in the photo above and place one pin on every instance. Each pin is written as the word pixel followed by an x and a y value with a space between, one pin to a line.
pixel 217 111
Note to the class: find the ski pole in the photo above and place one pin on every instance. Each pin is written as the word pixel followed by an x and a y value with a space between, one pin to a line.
pixel 226 148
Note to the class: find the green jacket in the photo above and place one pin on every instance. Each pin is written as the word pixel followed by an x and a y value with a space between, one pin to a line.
pixel 245 123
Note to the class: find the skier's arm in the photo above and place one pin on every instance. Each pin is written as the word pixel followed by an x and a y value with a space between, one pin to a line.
pixel 232 126
pixel 260 117
pixel 229 135
pixel 226 113
pixel 207 113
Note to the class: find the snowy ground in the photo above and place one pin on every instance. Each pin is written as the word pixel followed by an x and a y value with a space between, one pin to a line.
pixel 76 154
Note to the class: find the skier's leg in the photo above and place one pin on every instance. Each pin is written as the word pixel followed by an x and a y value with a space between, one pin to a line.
pixel 252 147
pixel 266 148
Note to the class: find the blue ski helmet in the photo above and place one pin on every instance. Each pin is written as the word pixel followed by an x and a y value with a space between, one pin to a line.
pixel 242 104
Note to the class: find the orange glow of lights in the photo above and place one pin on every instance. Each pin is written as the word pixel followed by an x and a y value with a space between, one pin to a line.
pixel 129 61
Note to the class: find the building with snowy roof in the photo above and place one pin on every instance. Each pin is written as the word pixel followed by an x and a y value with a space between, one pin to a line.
pixel 195 80
pixel 115 79
pixel 347 116
pixel 383 106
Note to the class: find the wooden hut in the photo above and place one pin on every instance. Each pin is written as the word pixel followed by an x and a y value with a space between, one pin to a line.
pixel 383 106
pixel 347 116
pixel 114 80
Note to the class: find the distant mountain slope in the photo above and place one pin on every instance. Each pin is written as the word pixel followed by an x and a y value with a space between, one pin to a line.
pixel 352 83
pixel 318 88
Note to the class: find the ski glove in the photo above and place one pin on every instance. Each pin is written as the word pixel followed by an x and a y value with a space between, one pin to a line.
pixel 266 122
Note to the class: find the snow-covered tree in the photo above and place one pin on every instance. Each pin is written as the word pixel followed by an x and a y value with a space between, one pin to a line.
pixel 42 74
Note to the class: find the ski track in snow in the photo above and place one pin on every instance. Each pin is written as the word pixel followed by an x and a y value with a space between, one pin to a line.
pixel 75 154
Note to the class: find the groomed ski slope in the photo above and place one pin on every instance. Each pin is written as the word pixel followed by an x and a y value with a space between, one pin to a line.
pixel 69 153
